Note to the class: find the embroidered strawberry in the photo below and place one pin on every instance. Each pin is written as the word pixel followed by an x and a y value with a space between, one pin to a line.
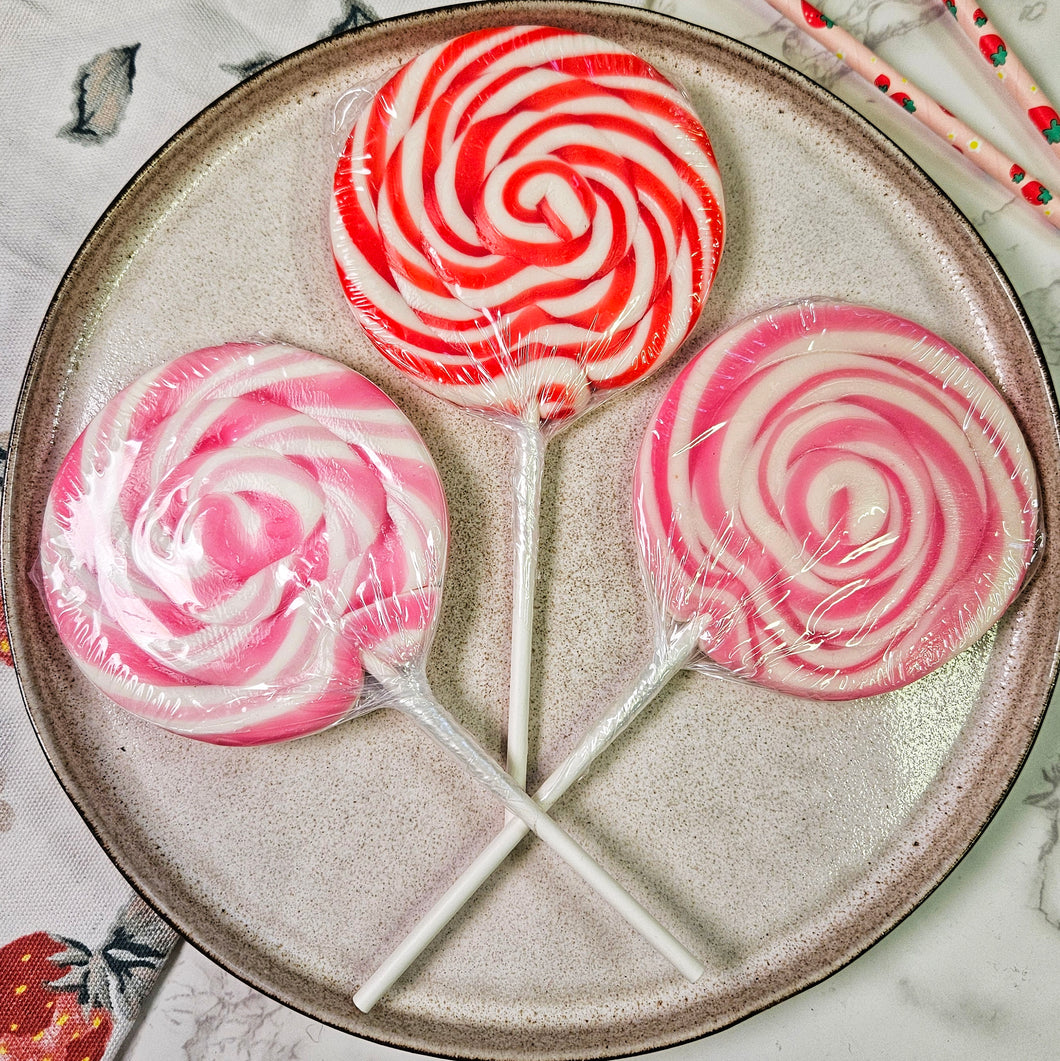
pixel 883 83
pixel 57 995
pixel 979 17
pixel 1016 174
pixel 951 7
pixel 993 48
pixel 38 1018
pixel 815 18
pixel 1047 122
pixel 904 100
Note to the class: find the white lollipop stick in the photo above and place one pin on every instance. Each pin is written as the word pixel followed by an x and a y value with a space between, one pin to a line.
pixel 528 475
pixel 410 694
pixel 668 659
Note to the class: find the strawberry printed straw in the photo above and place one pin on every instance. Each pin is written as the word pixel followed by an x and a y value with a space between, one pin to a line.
pixel 1012 74
pixel 920 105
pixel 247 545
pixel 527 220
pixel 830 502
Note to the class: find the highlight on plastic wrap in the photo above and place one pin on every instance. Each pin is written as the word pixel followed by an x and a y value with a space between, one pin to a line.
pixel 525 220
pixel 823 473
pixel 248 545
pixel 838 498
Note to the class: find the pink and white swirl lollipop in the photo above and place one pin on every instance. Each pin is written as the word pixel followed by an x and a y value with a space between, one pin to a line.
pixel 248 545
pixel 838 497
pixel 234 532
pixel 526 219
pixel 831 501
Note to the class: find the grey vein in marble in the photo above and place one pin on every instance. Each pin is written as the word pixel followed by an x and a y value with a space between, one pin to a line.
pixel 219 1016
pixel 1048 800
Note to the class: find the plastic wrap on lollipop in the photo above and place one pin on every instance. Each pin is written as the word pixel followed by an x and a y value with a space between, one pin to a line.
pixel 235 533
pixel 527 218
pixel 839 499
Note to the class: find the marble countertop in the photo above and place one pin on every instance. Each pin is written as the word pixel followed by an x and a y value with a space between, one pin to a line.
pixel 974 972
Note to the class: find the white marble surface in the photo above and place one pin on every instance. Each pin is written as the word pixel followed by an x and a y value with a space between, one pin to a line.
pixel 975 971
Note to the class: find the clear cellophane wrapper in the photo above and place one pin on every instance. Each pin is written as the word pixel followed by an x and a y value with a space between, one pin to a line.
pixel 243 542
pixel 525 219
pixel 835 500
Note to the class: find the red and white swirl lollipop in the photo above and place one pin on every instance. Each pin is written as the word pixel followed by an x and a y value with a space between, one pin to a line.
pixel 248 545
pixel 831 501
pixel 526 219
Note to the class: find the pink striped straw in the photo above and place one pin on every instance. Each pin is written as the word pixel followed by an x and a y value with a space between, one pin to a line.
pixel 1012 74
pixel 919 104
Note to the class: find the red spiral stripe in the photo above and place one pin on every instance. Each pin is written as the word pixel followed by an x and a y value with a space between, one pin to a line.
pixel 236 535
pixel 527 218
pixel 839 496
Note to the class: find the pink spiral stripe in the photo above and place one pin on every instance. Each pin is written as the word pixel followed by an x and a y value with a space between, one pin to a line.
pixel 527 218
pixel 236 535
pixel 839 496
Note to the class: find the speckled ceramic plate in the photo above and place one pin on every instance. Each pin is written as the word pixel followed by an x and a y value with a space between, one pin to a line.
pixel 777 837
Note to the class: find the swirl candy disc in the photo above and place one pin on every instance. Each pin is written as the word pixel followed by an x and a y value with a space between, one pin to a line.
pixel 527 218
pixel 839 496
pixel 235 534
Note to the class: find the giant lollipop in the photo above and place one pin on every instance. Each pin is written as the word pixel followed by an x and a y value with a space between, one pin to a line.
pixel 248 545
pixel 526 219
pixel 838 498
pixel 831 501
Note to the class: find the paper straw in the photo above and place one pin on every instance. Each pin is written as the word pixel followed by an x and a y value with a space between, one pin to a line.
pixel 1012 74
pixel 919 104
